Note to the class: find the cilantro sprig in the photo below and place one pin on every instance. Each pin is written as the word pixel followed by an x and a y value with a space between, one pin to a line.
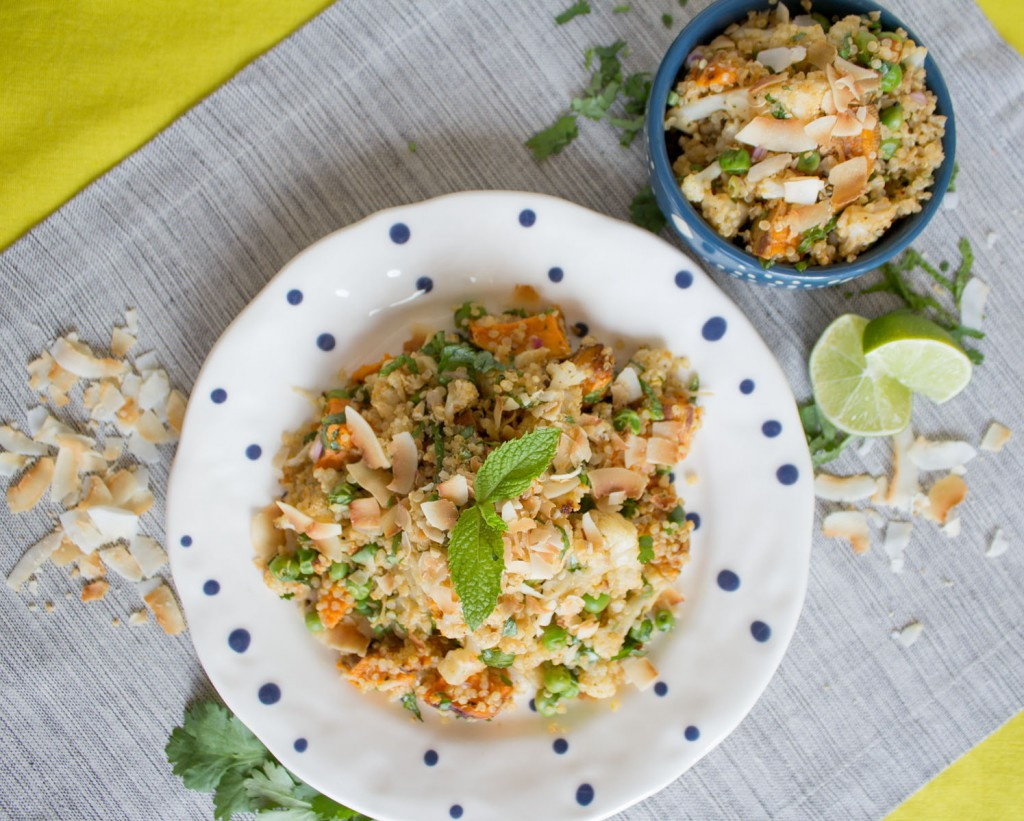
pixel 476 555
pixel 824 441
pixel 644 211
pixel 214 752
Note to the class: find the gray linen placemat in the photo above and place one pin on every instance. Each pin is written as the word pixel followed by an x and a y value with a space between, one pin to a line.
pixel 313 136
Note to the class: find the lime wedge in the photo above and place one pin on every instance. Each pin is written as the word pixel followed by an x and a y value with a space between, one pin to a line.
pixel 856 396
pixel 917 353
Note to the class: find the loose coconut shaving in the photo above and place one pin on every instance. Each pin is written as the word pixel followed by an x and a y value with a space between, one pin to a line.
pixel 130 410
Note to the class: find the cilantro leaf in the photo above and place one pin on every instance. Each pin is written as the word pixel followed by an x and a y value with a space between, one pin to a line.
pixel 401 361
pixel 211 743
pixel 409 703
pixel 596 106
pixel 553 139
pixel 576 9
pixel 476 558
pixel 823 440
pixel 231 796
pixel 273 786
pixel 644 211
pixel 509 469
pixel 329 810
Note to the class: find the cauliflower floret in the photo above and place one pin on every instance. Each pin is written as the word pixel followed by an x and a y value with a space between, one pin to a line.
pixel 458 665
pixel 725 216
pixel 861 225
pixel 461 394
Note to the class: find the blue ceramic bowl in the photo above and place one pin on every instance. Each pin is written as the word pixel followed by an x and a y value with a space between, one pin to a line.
pixel 721 253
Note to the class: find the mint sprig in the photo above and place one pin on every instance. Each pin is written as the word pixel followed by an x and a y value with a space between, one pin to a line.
pixel 476 554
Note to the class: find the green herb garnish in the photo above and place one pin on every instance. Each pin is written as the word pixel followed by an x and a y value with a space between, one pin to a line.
pixel 666 20
pixel 493 657
pixel 409 703
pixel 400 361
pixel 646 553
pixel 824 441
pixel 816 234
pixel 644 211
pixel 553 139
pixel 575 10
pixel 627 418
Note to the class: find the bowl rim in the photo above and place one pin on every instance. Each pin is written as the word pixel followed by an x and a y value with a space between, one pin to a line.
pixel 700 29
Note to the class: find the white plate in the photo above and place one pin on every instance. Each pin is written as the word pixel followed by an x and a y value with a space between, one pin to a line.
pixel 355 293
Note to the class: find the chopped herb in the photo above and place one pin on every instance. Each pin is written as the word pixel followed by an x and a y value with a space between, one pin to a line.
pixel 816 234
pixel 343 494
pixel 566 544
pixel 678 515
pixel 457 355
pixel 400 361
pixel 339 393
pixel 409 703
pixel 575 10
pixel 628 509
pixel 666 20
pixel 467 311
pixel 801 266
pixel 510 628
pixel 653 404
pixel 642 630
pixel 767 264
pixel 553 139
pixel 823 440
pixel 778 110
pixel 621 9
pixel 365 553
pixel 287 596
pixel 627 418
pixel 672 99
pixel 493 657
pixel 644 211
pixel 953 176
pixel 411 146
pixel 694 384
pixel 646 553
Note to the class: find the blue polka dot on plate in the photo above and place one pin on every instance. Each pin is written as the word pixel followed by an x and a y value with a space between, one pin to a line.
pixel 300 745
pixel 695 518
pixel 425 284
pixel 691 733
pixel 556 274
pixel 728 581
pixel 269 693
pixel 787 474
pixel 211 587
pixel 760 631
pixel 684 279
pixel 560 746
pixel 218 396
pixel 430 758
pixel 533 704
pixel 294 296
pixel 399 233
pixel 580 329
pixel 455 811
pixel 584 794
pixel 771 428
pixel 186 541
pixel 714 329
pixel 325 342
pixel 527 217
pixel 747 386
pixel 238 640
pixel 253 452
pixel 660 688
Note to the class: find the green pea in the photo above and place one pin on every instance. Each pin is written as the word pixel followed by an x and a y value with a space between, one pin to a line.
pixel 892 76
pixel 862 39
pixel 646 551
pixel 546 703
pixel 641 631
pixel 339 570
pixel 664 620
pixel 808 162
pixel 359 590
pixel 365 553
pixel 822 21
pixel 627 418
pixel 558 679
pixel 313 623
pixel 595 604
pixel 284 568
pixel 678 515
pixel 892 117
pixel 735 161
pixel 553 637
pixel 673 99
pixel 305 558
pixel 890 35
pixel 888 147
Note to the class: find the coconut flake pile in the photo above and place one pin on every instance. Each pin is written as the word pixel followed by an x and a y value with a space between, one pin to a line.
pixel 94 475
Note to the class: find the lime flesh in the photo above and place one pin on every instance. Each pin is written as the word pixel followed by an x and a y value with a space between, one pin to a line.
pixel 917 353
pixel 855 395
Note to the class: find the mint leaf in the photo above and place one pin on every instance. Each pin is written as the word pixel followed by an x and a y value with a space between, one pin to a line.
pixel 553 139
pixel 492 518
pixel 212 743
pixel 508 470
pixel 476 558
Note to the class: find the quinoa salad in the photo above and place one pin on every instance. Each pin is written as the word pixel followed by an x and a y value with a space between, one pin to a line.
pixel 805 139
pixel 489 514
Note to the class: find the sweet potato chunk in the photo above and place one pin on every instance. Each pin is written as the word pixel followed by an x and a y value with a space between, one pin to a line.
pixel 545 330
pixel 482 695
pixel 363 371
pixel 776 239
pixel 716 74
pixel 336 433
pixel 599 364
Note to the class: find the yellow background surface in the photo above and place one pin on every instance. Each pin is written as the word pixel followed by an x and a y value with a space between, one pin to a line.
pixel 85 83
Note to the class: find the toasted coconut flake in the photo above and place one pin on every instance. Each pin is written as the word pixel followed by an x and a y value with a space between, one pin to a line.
pixel 802 218
pixel 12 463
pixel 138 617
pixel 346 638
pixel 122 562
pixel 661 452
pixel 266 539
pixel 851 525
pixel 847 125
pixel 90 566
pixel 768 167
pixel 553 489
pixel 96 493
pixel 904 485
pixel 907 635
pixel 846 489
pixel 149 555
pixel 34 419
pixel 995 438
pixel 709 174
pixel 848 180
pixel 767 81
pixel 375 481
pixel 301 523
pixel 455 489
pixel 404 462
pixel 626 387
pixel 881 488
pixel 855 71
pixel 114 523
pixel 940 455
pixel 30 488
pixel 121 342
pixel 366 440
pixel 803 190
pixel 998 546
pixel 95 591
pixel 155 389
pixel 142 449
pixel 33 558
pixel 108 400
pixel 780 58
pixel 50 429
pixel 945 494
pixel 639 671
pixel 636 451
pixel 604 481
pixel 176 403
pixel 146 363
pixel 113 447
pixel 149 427
pixel 165 609
pixel 972 303
pixel 365 515
pixel 897 537
pixel 441 514
pixel 821 53
pixel 66 553
pixel 735 101
pixel 591 531
pixel 777 135
pixel 65 486
pixel 952 528
pixel 17 442
pixel 79 360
